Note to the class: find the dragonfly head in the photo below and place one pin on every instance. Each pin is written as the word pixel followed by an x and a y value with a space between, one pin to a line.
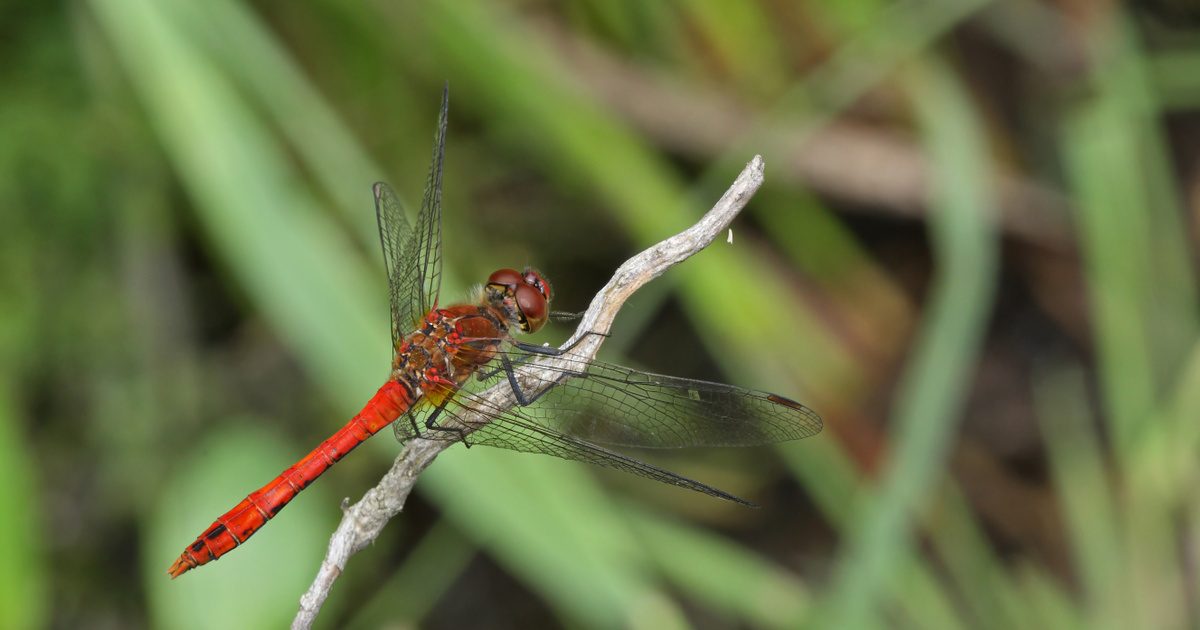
pixel 523 297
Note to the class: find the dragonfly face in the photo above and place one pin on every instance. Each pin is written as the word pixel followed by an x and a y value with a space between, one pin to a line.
pixel 523 297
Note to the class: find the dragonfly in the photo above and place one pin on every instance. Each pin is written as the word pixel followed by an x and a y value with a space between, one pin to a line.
pixel 443 356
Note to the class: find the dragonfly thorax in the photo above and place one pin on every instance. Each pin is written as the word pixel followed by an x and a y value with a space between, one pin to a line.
pixel 522 298
pixel 453 343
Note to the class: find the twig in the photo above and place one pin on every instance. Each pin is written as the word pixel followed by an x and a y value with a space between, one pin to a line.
pixel 363 521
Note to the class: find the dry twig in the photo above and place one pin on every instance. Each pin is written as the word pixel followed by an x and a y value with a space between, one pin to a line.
pixel 363 521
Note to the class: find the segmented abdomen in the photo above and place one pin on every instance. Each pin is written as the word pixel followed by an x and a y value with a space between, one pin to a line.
pixel 247 517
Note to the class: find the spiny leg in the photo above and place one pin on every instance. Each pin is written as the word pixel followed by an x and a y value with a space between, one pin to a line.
pixel 547 351
pixel 522 398
pixel 398 427
pixel 551 351
pixel 430 423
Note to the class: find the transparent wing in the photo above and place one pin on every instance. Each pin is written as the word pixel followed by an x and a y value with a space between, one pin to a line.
pixel 414 417
pixel 393 232
pixel 619 406
pixel 414 256
pixel 512 430
pixel 589 404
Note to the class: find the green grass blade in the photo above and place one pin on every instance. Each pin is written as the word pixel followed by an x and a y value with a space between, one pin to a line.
pixel 843 497
pixel 1176 77
pixel 1143 293
pixel 230 34
pixel 935 384
pixel 720 574
pixel 974 573
pixel 309 282
pixel 23 568
pixel 1139 278
pixel 426 577
pixel 1049 604
pixel 564 537
pixel 895 35
pixel 1077 465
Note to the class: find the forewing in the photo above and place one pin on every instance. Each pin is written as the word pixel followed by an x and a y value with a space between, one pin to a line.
pixel 619 406
pixel 423 250
pixel 413 257
pixel 394 232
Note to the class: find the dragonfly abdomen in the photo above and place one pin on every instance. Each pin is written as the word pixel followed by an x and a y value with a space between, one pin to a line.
pixel 247 517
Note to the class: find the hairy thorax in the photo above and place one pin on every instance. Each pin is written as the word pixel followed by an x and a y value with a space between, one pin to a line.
pixel 449 347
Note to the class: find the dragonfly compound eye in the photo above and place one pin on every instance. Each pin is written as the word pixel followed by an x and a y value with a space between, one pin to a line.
pixel 537 281
pixel 534 308
pixel 509 278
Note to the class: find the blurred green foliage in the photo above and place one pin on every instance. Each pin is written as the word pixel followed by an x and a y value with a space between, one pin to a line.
pixel 974 256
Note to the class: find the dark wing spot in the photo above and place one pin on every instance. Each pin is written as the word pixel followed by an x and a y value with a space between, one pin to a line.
pixel 786 402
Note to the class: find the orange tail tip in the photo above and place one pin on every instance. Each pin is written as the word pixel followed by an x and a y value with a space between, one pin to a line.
pixel 182 565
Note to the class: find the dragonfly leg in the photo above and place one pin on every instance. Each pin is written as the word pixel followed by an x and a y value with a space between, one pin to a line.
pixel 430 424
pixel 532 349
pixel 507 366
pixel 536 349
pixel 405 428
pixel 483 376
pixel 524 399
pixel 552 351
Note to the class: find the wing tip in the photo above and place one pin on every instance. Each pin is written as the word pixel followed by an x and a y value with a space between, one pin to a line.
pixel 743 502
pixel 786 402
pixel 379 189
pixel 816 423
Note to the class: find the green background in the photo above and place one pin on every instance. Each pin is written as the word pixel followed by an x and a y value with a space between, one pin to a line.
pixel 974 256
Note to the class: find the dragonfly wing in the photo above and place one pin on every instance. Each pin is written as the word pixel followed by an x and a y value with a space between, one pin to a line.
pixel 394 232
pixel 511 429
pixel 619 406
pixel 414 256
pixel 424 246
pixel 403 427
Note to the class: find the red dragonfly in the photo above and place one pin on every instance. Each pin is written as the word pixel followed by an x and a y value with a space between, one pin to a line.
pixel 441 352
